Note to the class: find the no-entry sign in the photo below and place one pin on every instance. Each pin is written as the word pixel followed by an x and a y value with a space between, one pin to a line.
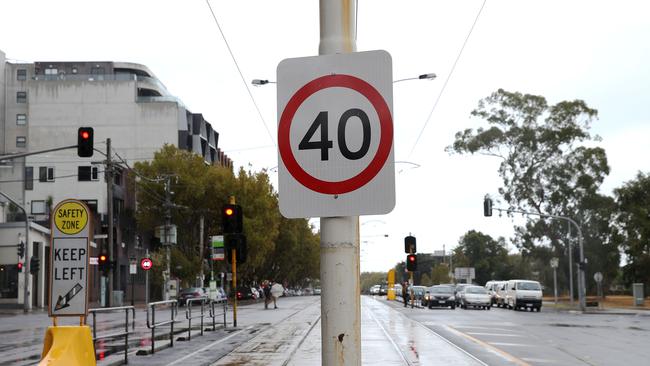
pixel 335 135
pixel 71 231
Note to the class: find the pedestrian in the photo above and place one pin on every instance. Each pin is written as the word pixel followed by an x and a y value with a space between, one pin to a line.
pixel 405 293
pixel 276 291
pixel 267 294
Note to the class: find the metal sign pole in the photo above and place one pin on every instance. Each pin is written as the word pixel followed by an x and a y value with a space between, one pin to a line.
pixel 339 256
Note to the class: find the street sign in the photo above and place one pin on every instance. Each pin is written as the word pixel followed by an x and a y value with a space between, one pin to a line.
pixel 133 266
pixel 218 253
pixel 71 230
pixel 555 262
pixel 146 264
pixel 335 135
pixel 598 277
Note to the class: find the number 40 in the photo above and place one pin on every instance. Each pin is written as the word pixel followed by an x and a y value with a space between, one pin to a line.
pixel 325 143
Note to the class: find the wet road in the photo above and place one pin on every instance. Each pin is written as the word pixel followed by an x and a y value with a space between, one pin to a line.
pixel 391 335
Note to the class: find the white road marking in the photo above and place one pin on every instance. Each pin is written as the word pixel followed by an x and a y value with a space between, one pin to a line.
pixel 495 334
pixel 538 360
pixel 511 344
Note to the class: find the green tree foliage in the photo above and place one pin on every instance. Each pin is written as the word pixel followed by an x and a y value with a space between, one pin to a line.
pixel 633 200
pixel 277 248
pixel 486 255
pixel 440 274
pixel 546 168
pixel 369 279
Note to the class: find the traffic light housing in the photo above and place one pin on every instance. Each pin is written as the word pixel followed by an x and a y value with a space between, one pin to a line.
pixel 85 138
pixel 232 219
pixel 21 250
pixel 409 245
pixel 487 207
pixel 237 242
pixel 34 264
pixel 102 262
pixel 412 262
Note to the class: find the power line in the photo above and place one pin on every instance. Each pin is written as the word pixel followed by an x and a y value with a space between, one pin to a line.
pixel 241 75
pixel 442 90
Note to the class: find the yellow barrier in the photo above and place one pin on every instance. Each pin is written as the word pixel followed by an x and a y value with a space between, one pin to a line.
pixel 68 346
pixel 390 295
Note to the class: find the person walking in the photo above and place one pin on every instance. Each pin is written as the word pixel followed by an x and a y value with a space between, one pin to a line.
pixel 267 294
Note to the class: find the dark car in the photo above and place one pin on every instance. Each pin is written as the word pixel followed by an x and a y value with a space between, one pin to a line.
pixel 440 295
pixel 383 290
pixel 245 293
pixel 190 293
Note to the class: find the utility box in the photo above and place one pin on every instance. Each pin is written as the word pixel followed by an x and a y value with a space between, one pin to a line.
pixel 637 293
pixel 118 298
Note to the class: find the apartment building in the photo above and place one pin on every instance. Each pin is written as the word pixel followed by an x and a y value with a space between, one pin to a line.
pixel 42 104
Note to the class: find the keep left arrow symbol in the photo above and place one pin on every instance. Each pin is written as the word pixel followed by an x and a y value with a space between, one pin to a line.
pixel 64 301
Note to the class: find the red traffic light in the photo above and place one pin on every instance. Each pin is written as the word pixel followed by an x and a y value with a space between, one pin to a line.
pixel 411 258
pixel 20 266
pixel 85 135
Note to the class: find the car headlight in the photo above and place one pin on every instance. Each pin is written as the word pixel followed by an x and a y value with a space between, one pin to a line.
pixel 451 297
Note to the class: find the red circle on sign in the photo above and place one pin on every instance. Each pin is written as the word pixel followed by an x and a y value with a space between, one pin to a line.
pixel 146 264
pixel 385 142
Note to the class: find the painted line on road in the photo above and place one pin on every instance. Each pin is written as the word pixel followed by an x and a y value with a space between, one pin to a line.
pixel 499 351
pixel 511 344
pixel 495 334
pixel 446 340
pixel 209 346
pixel 538 360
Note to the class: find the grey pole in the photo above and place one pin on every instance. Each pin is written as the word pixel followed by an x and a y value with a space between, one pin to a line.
pixel 110 238
pixel 339 255
pixel 555 284
pixel 570 266
pixel 146 282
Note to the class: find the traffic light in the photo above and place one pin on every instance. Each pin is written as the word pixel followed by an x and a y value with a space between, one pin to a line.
pixel 412 262
pixel 232 219
pixel 21 250
pixel 20 266
pixel 487 207
pixel 237 242
pixel 102 262
pixel 85 137
pixel 34 264
pixel 409 245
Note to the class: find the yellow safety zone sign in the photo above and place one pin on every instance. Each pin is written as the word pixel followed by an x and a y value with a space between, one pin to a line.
pixel 70 218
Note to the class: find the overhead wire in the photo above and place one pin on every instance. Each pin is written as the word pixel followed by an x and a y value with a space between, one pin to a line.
pixel 241 75
pixel 453 67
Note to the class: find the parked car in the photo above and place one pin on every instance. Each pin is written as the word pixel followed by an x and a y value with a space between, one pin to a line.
pixel 256 293
pixel 317 291
pixel 374 290
pixel 245 293
pixel 439 295
pixel 475 296
pixel 397 290
pixel 418 292
pixel 524 294
pixel 383 290
pixel 190 293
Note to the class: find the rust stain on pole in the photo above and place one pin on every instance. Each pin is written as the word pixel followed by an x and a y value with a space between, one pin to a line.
pixel 346 18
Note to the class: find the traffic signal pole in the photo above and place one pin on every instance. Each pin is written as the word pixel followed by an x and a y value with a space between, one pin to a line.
pixel 339 255
pixel 109 209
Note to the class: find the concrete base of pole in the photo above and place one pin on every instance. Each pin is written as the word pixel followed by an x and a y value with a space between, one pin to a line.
pixel 341 293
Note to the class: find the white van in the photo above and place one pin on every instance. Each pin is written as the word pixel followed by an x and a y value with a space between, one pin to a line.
pixel 524 294
pixel 491 287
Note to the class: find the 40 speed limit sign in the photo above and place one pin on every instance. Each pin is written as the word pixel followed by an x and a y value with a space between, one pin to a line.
pixel 335 135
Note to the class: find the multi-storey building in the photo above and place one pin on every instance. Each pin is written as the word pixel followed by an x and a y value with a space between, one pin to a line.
pixel 42 104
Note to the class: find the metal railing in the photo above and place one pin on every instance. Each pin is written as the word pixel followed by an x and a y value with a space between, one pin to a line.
pixel 124 334
pixel 189 316
pixel 214 314
pixel 151 322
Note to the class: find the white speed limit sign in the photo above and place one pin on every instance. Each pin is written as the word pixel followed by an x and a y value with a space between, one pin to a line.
pixel 335 135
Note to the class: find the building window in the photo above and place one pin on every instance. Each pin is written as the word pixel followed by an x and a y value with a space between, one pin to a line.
pixel 74 70
pixel 21 74
pixel 21 119
pixel 51 71
pixel 21 141
pixel 46 174
pixel 88 173
pixel 29 178
pixel 38 208
pixel 21 97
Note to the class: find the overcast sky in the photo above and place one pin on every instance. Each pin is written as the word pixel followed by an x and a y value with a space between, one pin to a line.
pixel 598 51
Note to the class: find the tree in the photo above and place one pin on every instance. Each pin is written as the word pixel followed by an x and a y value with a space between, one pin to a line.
pixel 369 279
pixel 440 274
pixel 633 200
pixel 486 255
pixel 544 168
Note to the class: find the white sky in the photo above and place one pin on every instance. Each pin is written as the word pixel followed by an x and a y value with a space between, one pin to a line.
pixel 598 51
